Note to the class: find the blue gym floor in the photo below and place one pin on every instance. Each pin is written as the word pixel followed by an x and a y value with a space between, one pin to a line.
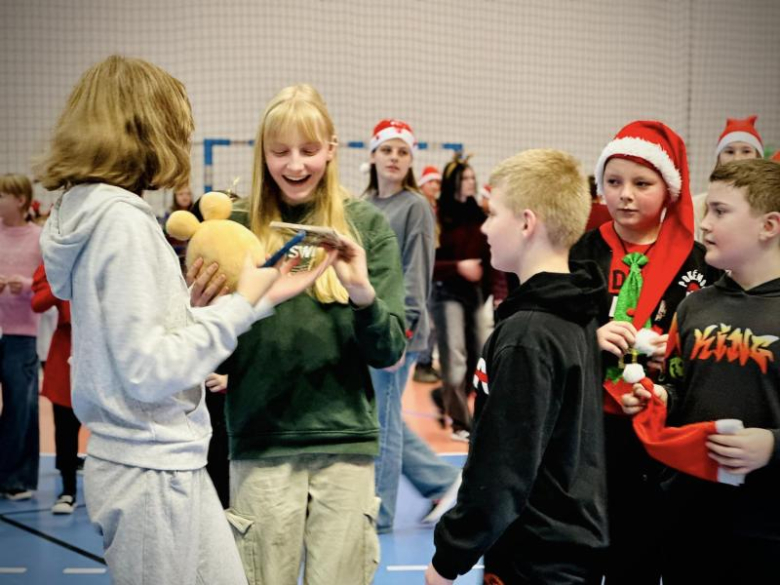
pixel 37 547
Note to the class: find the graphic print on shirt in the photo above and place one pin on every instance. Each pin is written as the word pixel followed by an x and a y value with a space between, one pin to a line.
pixel 721 342
pixel 306 253
pixel 692 281
pixel 480 377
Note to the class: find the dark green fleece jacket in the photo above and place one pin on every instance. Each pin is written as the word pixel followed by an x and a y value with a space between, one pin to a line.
pixel 298 381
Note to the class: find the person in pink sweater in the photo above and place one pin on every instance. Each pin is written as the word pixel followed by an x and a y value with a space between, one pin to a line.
pixel 18 357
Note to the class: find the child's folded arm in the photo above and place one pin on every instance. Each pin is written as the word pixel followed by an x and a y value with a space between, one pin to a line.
pixel 445 269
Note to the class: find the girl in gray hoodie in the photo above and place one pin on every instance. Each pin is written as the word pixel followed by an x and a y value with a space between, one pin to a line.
pixel 140 350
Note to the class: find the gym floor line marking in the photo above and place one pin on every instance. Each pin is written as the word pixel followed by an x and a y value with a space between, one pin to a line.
pixel 53 540
pixel 398 568
pixel 31 511
pixel 13 570
pixel 84 571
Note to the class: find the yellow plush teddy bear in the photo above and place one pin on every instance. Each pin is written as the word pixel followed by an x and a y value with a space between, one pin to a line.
pixel 216 239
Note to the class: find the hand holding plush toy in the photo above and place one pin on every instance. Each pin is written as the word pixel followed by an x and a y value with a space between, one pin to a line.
pixel 217 239
pixel 220 242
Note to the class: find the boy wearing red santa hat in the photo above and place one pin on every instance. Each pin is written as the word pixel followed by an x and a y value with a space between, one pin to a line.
pixel 650 262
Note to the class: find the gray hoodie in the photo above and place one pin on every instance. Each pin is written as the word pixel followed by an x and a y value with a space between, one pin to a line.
pixel 140 352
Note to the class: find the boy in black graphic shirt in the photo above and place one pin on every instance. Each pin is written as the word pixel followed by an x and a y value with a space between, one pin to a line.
pixel 724 350
pixel 533 493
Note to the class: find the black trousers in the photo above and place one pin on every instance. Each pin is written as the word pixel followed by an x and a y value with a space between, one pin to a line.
pixel 66 444
pixel 218 465
pixel 713 537
pixel 518 559
pixel 635 505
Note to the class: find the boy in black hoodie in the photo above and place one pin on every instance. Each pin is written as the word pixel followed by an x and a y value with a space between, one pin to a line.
pixel 533 493
pixel 724 361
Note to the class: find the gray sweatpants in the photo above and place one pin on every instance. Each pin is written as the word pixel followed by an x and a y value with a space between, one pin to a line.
pixel 161 526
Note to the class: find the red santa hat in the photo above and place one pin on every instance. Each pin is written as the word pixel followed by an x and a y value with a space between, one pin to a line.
pixel 429 173
pixel 390 128
pixel 485 191
pixel 655 145
pixel 740 131
pixel 776 156
pixel 683 448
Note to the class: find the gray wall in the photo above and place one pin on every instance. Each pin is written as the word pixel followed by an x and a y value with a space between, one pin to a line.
pixel 496 75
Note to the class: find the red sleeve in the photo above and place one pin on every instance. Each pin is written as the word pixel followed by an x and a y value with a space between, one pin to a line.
pixel 42 299
pixel 599 214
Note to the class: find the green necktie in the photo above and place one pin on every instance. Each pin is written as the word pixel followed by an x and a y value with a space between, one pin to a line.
pixel 627 299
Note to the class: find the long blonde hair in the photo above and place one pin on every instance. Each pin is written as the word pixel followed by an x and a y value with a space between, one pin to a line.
pixel 127 123
pixel 300 108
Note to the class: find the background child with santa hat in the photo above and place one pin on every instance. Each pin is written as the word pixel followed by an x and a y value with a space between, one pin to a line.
pixel 392 189
pixel 739 141
pixel 430 186
pixel 650 262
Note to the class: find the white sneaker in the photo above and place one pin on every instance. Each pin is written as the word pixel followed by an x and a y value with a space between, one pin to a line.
pixel 16 495
pixel 446 502
pixel 65 504
pixel 461 435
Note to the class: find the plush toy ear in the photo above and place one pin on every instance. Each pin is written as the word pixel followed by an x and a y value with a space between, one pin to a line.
pixel 215 205
pixel 182 225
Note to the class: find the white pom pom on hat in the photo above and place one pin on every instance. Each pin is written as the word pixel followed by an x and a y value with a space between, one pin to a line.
pixel 633 373
pixel 644 341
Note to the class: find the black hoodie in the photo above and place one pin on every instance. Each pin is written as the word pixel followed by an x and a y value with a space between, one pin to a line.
pixel 729 342
pixel 536 460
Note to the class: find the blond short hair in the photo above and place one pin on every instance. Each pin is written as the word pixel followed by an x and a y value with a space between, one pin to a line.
pixel 19 186
pixel 127 123
pixel 759 177
pixel 551 184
